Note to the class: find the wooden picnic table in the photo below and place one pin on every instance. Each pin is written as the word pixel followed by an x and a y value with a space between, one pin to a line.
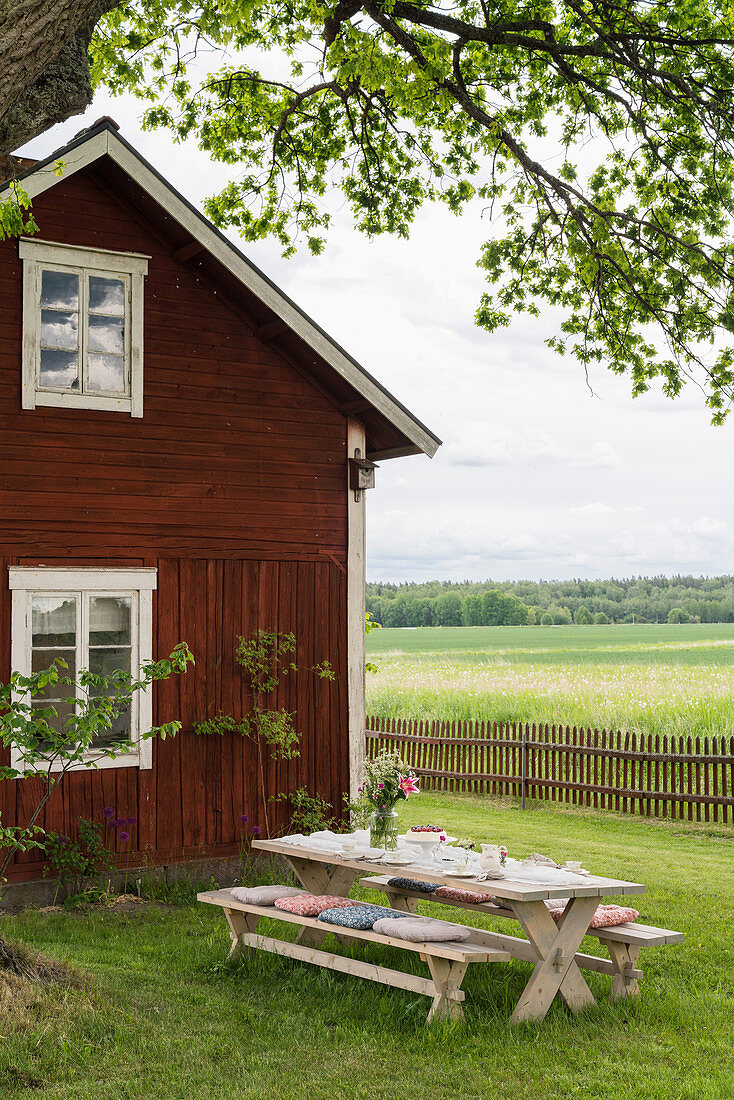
pixel 553 947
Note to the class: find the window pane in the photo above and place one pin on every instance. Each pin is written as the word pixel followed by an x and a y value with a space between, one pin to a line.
pixel 119 731
pixel 63 711
pixel 42 659
pixel 106 661
pixel 53 621
pixel 59 370
pixel 106 373
pixel 59 330
pixel 106 334
pixel 109 620
pixel 106 296
pixel 59 290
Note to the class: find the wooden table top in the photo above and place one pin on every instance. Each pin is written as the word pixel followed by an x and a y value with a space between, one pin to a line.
pixel 509 889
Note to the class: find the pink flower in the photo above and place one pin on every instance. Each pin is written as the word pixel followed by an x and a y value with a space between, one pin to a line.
pixel 408 785
pixel 442 838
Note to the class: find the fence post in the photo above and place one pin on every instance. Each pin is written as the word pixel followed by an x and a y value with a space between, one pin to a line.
pixel 524 765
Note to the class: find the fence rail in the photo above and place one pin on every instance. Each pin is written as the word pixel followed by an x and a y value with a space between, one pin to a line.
pixel 635 773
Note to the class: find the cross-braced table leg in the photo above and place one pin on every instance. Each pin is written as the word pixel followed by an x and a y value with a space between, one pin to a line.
pixel 556 945
pixel 239 923
pixel 447 978
pixel 624 957
pixel 317 879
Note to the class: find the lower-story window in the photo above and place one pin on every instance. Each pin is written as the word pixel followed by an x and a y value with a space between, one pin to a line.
pixel 96 619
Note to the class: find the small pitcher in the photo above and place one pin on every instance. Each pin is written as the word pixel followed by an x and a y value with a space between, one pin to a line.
pixel 490 858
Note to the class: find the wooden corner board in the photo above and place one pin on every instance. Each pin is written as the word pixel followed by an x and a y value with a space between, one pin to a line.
pixel 457 952
pixel 515 891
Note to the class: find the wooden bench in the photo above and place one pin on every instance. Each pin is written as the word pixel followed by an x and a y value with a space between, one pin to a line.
pixel 447 961
pixel 623 942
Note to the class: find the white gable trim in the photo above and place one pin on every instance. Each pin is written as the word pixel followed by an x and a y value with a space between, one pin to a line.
pixel 105 142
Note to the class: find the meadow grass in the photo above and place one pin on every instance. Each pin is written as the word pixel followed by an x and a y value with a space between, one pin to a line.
pixel 157 1013
pixel 657 679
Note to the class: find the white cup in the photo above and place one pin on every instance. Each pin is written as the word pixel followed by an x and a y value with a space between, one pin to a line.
pixel 349 845
pixel 572 865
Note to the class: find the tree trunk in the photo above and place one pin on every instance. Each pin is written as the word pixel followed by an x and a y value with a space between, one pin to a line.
pixel 44 68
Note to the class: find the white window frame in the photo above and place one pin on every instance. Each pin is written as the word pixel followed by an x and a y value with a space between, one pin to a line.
pixel 26 582
pixel 38 256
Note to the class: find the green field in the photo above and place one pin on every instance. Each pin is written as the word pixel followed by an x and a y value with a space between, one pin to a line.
pixel 654 678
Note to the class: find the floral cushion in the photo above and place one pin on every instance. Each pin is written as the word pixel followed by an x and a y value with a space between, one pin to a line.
pixel 361 916
pixel 606 916
pixel 412 884
pixel 466 897
pixel 310 905
pixel 421 930
pixel 265 895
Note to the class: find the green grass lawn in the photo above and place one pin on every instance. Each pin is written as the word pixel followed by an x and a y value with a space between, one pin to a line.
pixel 658 679
pixel 159 1013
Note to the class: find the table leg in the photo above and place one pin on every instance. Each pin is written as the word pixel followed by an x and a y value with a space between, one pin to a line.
pixel 317 879
pixel 556 946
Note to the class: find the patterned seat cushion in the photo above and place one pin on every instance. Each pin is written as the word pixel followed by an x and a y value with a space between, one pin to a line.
pixel 310 905
pixel 606 916
pixel 265 895
pixel 466 897
pixel 421 930
pixel 412 884
pixel 361 916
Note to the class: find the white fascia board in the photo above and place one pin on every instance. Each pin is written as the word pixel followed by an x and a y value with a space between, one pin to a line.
pixel 41 179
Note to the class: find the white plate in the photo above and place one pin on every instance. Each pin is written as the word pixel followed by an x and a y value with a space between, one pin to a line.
pixel 398 861
pixel 463 872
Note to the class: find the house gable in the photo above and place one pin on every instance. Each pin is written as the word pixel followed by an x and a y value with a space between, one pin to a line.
pixel 391 429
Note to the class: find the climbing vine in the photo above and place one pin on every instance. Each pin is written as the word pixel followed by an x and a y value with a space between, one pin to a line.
pixel 265 656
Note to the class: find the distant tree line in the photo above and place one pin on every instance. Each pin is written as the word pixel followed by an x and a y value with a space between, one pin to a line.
pixel 548 603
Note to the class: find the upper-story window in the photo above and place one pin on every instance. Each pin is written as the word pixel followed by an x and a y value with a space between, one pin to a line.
pixel 82 327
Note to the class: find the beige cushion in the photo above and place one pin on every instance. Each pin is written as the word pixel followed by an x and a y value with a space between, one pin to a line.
pixel 421 929
pixel 264 895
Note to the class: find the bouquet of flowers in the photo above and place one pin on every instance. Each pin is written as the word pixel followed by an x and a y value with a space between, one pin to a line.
pixel 387 781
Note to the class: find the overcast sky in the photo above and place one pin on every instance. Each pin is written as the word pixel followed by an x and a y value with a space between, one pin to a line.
pixel 538 477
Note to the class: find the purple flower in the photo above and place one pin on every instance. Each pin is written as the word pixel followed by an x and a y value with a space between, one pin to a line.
pixel 256 830
pixel 244 818
pixel 108 812
pixel 62 840
pixel 380 786
pixel 132 821
pixel 124 836
pixel 121 822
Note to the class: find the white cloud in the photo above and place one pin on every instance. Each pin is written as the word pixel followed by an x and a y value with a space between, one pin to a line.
pixel 595 508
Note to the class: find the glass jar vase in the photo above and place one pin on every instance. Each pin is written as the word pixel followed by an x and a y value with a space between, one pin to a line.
pixel 384 828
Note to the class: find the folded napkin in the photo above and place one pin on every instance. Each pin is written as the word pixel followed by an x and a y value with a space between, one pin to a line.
pixel 265 895
pixel 421 930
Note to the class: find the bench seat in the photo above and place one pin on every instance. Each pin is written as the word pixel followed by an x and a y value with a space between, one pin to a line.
pixel 447 961
pixel 622 941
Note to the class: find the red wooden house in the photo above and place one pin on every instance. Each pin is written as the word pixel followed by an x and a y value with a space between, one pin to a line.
pixel 174 466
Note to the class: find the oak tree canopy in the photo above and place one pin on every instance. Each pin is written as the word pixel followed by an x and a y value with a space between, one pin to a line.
pixel 597 136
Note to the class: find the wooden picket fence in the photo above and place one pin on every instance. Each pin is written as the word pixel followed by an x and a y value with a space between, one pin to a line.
pixel 632 773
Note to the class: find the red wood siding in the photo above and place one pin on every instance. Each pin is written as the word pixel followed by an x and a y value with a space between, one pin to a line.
pixel 237 452
pixel 233 486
